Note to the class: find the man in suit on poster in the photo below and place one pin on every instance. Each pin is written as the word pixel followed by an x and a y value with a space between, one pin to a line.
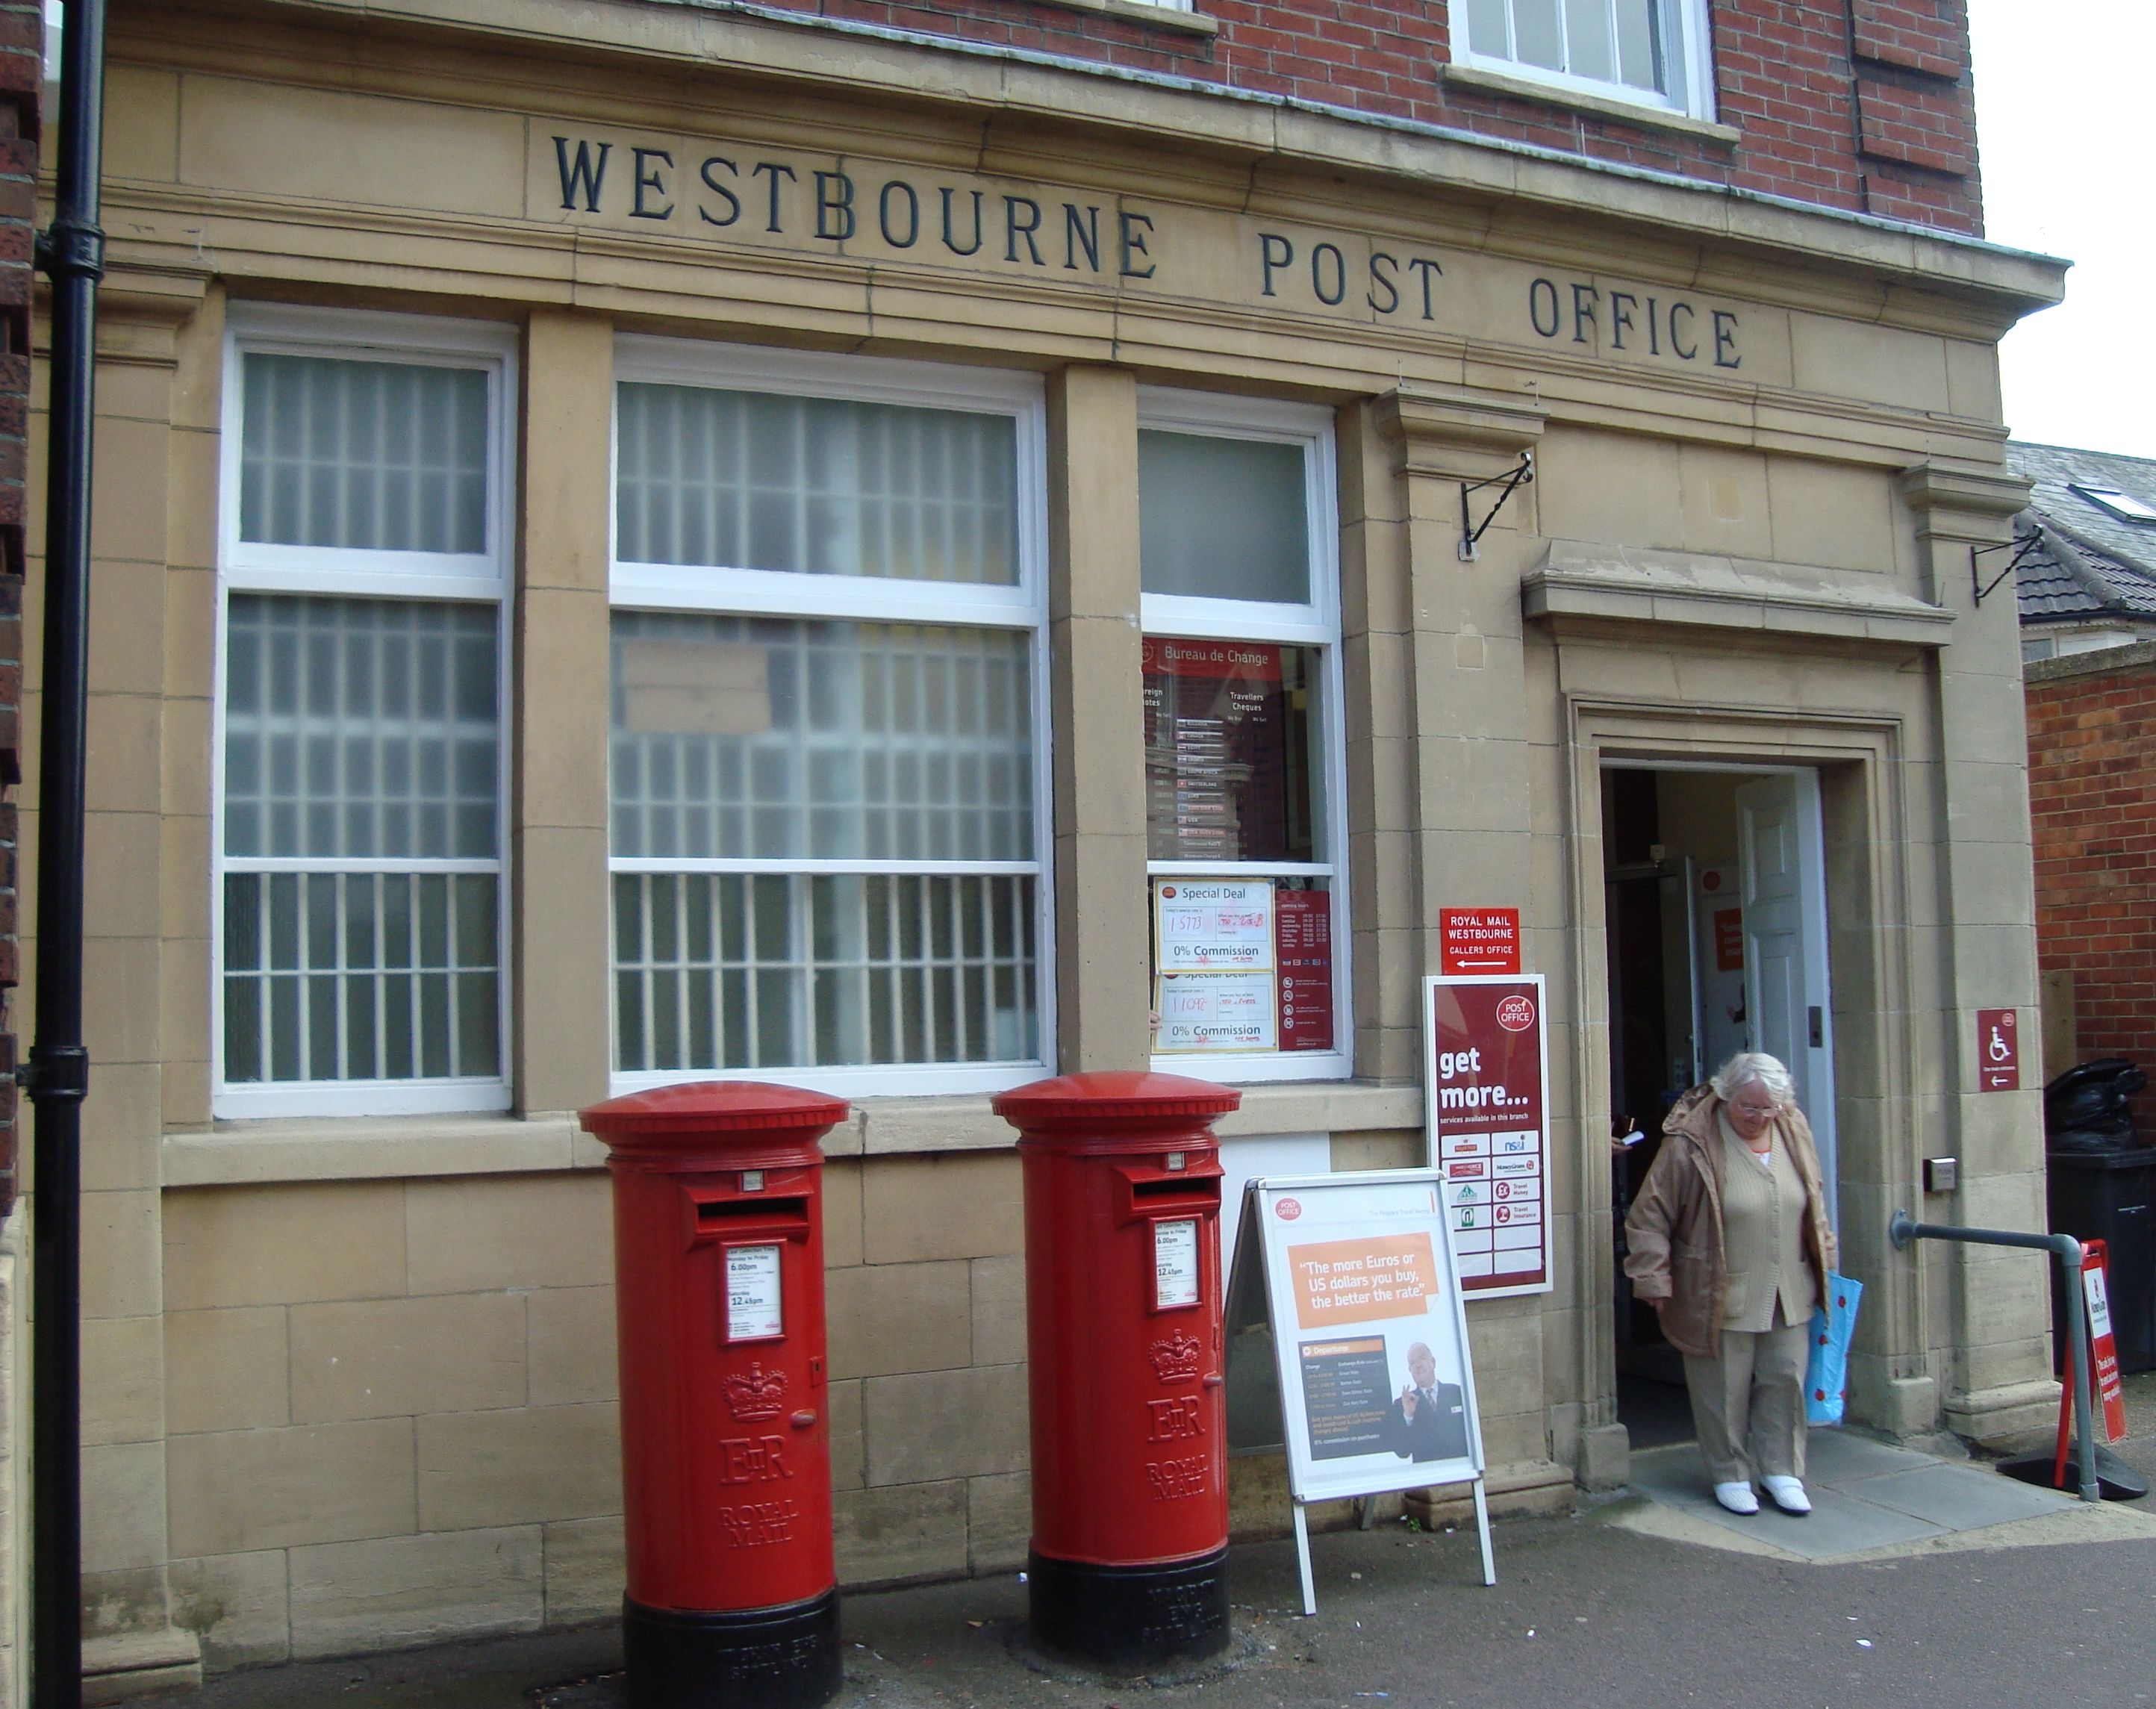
pixel 1428 1421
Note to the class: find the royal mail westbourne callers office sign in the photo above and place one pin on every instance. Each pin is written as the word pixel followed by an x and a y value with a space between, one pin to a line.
pixel 743 199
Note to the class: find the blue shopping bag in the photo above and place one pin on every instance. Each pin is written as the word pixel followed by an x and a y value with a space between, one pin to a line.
pixel 1827 1374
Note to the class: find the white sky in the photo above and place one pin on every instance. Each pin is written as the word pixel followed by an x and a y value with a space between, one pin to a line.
pixel 2066 121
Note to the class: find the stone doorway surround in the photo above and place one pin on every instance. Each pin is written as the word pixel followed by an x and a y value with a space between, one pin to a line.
pixel 1766 667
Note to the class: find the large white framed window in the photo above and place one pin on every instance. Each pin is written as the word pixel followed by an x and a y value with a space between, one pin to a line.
pixel 358 897
pixel 829 773
pixel 1245 762
pixel 1651 53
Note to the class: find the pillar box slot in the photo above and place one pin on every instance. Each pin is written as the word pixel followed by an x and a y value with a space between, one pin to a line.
pixel 732 1598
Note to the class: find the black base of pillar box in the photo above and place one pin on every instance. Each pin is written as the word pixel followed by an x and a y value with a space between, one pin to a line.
pixel 1175 1610
pixel 786 1657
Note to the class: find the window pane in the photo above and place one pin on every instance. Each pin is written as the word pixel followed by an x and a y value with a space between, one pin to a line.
pixel 1222 519
pixel 1589 50
pixel 774 738
pixel 1486 32
pixel 739 971
pixel 1538 41
pixel 345 975
pixel 360 728
pixel 824 487
pixel 1636 45
pixel 1232 741
pixel 390 456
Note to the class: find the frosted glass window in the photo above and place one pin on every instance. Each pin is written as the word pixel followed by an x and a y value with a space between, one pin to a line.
pixel 1538 38
pixel 360 976
pixel 786 739
pixel 1619 42
pixel 1222 519
pixel 823 486
pixel 385 456
pixel 360 729
pixel 793 970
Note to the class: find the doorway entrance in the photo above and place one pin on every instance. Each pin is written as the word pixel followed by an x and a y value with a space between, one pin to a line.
pixel 1714 894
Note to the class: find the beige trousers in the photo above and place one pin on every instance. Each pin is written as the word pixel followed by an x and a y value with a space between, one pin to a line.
pixel 1748 1405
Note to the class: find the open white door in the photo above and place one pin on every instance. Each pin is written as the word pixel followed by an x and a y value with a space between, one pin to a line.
pixel 1786 1011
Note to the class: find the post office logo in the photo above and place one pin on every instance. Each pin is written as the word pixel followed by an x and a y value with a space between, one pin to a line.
pixel 1516 1015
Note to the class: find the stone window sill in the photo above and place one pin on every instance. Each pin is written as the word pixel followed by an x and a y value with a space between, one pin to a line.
pixel 1167 17
pixel 367 1148
pixel 1601 106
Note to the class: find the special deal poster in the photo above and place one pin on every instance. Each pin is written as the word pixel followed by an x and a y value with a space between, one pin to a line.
pixel 1486 1069
pixel 1376 1390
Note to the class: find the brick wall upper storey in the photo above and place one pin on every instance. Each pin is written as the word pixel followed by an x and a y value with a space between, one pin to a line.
pixel 1861 104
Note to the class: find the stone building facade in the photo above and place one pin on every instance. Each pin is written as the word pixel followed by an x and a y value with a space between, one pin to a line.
pixel 639 541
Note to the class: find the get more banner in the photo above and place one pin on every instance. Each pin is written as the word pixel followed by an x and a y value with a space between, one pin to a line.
pixel 1486 1071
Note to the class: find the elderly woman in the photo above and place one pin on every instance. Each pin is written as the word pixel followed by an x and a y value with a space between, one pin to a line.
pixel 1730 1243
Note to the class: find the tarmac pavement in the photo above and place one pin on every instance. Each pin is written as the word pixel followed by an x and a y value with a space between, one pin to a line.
pixel 1985 1593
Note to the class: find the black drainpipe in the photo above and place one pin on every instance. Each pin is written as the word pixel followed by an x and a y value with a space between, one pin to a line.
pixel 58 1072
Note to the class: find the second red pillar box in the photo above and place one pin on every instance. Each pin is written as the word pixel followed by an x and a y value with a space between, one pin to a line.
pixel 733 1600
pixel 1123 1311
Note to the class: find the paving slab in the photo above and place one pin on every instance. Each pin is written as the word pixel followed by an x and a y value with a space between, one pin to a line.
pixel 1835 1456
pixel 1958 1498
pixel 1837 1524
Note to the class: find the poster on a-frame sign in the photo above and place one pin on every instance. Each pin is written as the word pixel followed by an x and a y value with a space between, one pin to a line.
pixel 1354 1277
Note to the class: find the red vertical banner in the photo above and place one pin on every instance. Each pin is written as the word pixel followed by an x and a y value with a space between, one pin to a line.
pixel 1302 935
pixel 1487 1064
pixel 2103 1345
pixel 1997 1051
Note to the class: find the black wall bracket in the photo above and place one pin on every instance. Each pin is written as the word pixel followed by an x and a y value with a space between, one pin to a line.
pixel 1511 481
pixel 2022 549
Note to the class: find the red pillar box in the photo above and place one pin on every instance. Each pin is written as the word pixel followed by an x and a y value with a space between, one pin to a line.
pixel 726 1439
pixel 1122 1286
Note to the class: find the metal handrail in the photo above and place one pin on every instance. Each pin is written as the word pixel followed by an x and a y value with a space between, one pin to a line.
pixel 1904 1228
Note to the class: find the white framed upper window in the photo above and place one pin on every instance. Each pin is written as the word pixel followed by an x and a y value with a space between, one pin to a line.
pixel 358 902
pixel 1246 763
pixel 828 764
pixel 1654 53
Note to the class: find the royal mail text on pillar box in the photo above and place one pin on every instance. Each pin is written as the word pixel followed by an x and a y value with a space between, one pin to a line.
pixel 1479 940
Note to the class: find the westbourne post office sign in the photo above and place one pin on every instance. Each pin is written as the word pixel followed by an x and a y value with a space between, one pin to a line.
pixel 743 198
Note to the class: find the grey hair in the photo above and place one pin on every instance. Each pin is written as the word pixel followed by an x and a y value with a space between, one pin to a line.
pixel 1755 1068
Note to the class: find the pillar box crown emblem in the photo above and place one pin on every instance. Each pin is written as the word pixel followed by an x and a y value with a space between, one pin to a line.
pixel 755 1394
pixel 1176 1358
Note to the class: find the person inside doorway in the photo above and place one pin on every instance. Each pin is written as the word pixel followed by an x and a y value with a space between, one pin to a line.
pixel 1729 1239
pixel 1429 1420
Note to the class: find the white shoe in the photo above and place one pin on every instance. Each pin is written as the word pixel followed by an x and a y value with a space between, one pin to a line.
pixel 1738 1498
pixel 1789 1494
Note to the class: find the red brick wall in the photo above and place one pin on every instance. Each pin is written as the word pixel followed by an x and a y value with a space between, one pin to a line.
pixel 2092 799
pixel 22 85
pixel 1863 105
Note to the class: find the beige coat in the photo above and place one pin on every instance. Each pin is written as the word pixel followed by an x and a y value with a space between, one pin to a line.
pixel 1674 1233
